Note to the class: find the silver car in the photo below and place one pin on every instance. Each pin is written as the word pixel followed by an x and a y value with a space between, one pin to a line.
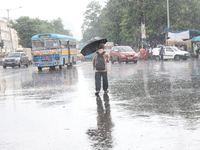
pixel 15 59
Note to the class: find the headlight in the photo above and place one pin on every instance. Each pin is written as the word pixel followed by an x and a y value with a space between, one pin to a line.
pixel 122 55
pixel 16 60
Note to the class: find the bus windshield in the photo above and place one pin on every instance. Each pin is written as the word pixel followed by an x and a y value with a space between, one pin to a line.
pixel 45 44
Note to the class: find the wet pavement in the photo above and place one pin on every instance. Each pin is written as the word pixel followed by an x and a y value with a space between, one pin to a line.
pixel 151 105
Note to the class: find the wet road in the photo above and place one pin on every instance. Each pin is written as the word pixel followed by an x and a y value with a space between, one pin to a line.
pixel 151 105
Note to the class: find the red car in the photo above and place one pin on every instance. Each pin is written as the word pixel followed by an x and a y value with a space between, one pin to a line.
pixel 123 54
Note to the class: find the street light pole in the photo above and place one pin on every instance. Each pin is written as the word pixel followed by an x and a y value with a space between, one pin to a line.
pixel 11 42
pixel 168 24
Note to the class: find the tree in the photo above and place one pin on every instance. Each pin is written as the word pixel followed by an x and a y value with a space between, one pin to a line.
pixel 27 27
pixel 120 20
pixel 90 23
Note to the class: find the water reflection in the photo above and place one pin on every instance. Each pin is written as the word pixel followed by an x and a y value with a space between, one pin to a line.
pixel 55 77
pixel 168 88
pixel 102 136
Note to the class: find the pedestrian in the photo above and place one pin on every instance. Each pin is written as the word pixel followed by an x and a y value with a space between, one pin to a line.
pixel 150 52
pixel 197 51
pixel 100 60
pixel 162 52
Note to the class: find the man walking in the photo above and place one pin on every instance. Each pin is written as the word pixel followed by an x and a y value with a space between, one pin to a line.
pixel 162 52
pixel 100 60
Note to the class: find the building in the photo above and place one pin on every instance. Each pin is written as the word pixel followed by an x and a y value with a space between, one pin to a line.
pixel 5 36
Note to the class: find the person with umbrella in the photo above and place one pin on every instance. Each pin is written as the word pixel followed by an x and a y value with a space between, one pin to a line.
pixel 100 60
pixel 100 67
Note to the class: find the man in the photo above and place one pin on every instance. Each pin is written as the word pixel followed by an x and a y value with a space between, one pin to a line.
pixel 101 72
pixel 162 52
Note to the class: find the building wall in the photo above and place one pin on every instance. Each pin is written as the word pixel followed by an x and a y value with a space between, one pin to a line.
pixel 5 36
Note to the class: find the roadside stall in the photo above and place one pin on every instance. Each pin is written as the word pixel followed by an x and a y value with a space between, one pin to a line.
pixel 195 46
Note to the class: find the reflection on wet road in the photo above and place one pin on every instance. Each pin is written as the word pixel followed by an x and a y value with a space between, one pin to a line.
pixel 151 105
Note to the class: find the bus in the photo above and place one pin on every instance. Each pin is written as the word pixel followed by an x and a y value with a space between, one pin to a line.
pixel 108 46
pixel 51 50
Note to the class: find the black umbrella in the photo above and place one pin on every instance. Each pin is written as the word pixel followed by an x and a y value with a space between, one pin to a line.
pixel 92 45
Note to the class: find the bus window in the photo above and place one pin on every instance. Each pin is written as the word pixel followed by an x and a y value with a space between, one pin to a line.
pixel 38 44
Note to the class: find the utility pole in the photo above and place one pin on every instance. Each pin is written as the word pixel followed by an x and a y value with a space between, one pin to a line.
pixel 168 24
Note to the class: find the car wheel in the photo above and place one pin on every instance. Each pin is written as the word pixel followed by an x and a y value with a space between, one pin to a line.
pixel 27 64
pixel 20 64
pixel 4 67
pixel 119 61
pixel 60 66
pixel 112 61
pixel 135 61
pixel 157 58
pixel 177 58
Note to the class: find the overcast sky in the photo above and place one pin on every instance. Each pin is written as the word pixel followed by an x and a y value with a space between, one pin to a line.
pixel 70 11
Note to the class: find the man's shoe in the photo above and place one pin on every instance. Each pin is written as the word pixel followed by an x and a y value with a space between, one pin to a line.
pixel 96 93
pixel 105 92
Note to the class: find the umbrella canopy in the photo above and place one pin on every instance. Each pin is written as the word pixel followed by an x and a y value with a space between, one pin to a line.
pixel 92 45
pixel 196 39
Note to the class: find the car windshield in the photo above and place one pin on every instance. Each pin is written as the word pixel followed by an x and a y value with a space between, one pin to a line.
pixel 13 55
pixel 126 49
pixel 176 49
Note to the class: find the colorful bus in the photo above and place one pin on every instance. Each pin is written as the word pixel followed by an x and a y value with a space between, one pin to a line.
pixel 51 50
pixel 108 46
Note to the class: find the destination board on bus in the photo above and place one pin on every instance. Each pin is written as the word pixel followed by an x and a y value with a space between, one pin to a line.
pixel 44 36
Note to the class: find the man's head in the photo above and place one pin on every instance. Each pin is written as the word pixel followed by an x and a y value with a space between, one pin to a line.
pixel 101 46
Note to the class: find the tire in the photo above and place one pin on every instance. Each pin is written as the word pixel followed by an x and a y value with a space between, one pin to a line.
pixel 177 58
pixel 119 61
pixel 157 58
pixel 4 67
pixel 60 66
pixel 135 61
pixel 20 64
pixel 40 68
pixel 27 64
pixel 112 61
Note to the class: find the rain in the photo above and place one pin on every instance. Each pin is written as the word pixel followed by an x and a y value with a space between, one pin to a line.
pixel 51 101
pixel 150 105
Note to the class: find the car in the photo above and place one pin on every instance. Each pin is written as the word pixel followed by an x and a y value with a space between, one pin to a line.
pixel 88 57
pixel 123 54
pixel 171 52
pixel 15 59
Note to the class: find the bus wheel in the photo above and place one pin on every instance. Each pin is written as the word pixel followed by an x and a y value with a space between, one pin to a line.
pixel 40 68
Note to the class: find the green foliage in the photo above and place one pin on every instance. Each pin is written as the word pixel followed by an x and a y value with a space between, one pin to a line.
pixel 27 27
pixel 120 20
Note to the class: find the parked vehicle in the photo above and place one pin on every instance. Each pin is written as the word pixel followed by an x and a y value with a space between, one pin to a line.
pixel 171 52
pixel 123 54
pixel 88 57
pixel 28 53
pixel 108 46
pixel 15 59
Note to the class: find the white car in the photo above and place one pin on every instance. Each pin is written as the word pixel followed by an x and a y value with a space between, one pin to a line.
pixel 171 52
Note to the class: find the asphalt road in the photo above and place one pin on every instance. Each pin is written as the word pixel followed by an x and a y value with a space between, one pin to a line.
pixel 151 105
